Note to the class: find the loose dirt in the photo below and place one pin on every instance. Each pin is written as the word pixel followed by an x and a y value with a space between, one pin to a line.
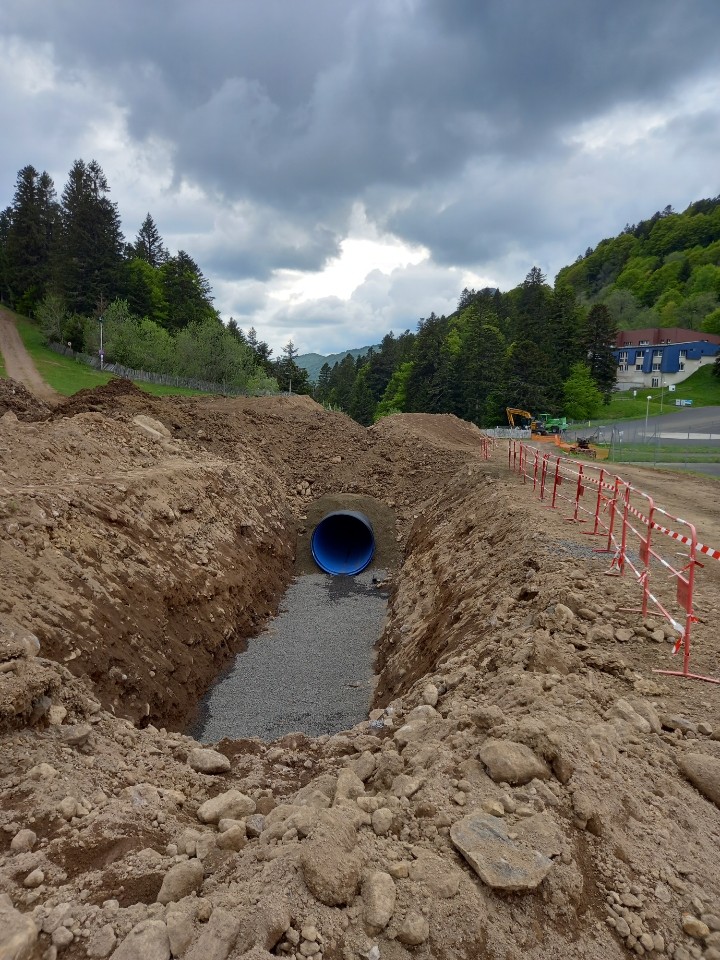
pixel 524 786
pixel 18 362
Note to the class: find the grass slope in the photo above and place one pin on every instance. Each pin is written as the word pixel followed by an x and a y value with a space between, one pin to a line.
pixel 67 376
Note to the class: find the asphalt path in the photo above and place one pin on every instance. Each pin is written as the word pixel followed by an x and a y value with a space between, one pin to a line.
pixel 687 426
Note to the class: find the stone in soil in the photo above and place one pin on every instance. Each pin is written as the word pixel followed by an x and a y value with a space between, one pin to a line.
pixel 500 862
pixel 510 762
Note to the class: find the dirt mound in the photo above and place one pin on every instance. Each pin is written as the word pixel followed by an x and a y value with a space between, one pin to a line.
pixel 444 430
pixel 18 400
pixel 105 398
pixel 525 787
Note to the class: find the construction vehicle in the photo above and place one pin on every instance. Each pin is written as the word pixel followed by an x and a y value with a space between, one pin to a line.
pixel 542 426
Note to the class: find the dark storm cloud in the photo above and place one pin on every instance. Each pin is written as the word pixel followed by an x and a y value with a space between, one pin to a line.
pixel 450 120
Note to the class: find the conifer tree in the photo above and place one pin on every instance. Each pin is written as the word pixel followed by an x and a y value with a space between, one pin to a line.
pixel 148 244
pixel 599 341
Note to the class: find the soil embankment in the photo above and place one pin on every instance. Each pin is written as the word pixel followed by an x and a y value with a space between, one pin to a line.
pixel 525 787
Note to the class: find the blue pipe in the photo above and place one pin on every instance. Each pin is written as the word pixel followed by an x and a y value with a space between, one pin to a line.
pixel 343 542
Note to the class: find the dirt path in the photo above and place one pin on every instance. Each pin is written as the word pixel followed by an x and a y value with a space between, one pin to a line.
pixel 18 362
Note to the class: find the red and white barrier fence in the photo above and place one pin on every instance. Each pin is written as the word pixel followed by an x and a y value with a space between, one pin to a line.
pixel 629 522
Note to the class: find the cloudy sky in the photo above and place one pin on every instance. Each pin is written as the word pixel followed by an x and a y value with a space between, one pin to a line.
pixel 340 168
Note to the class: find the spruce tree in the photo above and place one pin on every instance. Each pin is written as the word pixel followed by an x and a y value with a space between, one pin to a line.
pixel 32 224
pixel 148 244
pixel 186 291
pixel 90 258
pixel 598 343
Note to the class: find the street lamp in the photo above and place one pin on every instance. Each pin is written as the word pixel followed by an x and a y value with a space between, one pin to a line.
pixel 102 356
pixel 647 412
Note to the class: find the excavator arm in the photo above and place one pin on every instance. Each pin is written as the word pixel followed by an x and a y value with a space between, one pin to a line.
pixel 513 412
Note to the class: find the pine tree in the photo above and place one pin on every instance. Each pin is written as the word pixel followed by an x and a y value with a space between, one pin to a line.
pixel 31 229
pixel 90 258
pixel 598 343
pixel 148 244
pixel 322 389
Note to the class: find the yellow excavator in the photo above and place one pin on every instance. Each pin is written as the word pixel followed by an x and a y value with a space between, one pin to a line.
pixel 537 427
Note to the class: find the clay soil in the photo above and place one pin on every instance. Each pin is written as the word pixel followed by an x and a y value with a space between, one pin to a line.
pixel 143 540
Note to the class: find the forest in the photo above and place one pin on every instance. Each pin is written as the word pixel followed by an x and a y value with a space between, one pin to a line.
pixel 65 262
pixel 544 348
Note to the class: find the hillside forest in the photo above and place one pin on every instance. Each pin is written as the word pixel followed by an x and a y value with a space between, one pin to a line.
pixel 544 348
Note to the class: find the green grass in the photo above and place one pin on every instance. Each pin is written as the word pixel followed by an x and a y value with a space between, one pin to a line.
pixel 703 388
pixel 666 453
pixel 67 376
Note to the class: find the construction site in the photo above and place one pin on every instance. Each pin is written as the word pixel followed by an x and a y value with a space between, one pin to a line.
pixel 520 778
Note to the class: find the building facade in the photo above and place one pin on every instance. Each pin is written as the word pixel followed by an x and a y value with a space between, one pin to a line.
pixel 659 356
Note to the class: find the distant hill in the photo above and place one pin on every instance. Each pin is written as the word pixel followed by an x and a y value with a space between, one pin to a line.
pixel 312 362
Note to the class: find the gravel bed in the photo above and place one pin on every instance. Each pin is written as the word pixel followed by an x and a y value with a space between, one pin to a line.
pixel 311 671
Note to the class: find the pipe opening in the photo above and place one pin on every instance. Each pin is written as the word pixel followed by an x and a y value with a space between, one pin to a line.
pixel 343 543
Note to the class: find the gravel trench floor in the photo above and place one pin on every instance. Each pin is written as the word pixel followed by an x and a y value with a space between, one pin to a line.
pixel 311 671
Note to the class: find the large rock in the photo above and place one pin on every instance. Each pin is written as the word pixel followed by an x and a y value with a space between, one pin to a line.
pixel 208 761
pixel 231 805
pixel 703 772
pixel 218 938
pixel 509 762
pixel 328 860
pixel 414 929
pixel 180 881
pixel 147 940
pixel 500 862
pixel 378 892
pixel 18 933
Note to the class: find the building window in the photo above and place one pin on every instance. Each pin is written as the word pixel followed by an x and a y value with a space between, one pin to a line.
pixel 622 367
pixel 623 356
pixel 643 343
pixel 656 381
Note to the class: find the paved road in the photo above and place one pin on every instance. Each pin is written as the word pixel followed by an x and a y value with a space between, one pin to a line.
pixel 18 362
pixel 685 426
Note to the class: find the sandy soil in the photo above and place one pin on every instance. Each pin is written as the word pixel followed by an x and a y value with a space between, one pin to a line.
pixel 18 362
pixel 525 786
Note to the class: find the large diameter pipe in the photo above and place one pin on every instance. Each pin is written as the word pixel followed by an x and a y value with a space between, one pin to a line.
pixel 343 542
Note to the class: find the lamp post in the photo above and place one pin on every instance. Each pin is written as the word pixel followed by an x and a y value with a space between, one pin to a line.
pixel 647 413
pixel 102 356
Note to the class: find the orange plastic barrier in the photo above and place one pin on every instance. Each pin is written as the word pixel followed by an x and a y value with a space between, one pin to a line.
pixel 628 520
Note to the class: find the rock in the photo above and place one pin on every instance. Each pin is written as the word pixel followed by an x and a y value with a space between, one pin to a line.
pixel 493 807
pixel 147 940
pixel 181 880
pixel 230 805
pixel 501 863
pixel 694 927
pixel 648 711
pixel 430 695
pixel 56 715
pixel 599 632
pixel 34 879
pixel 151 427
pixel 441 879
pixel 542 833
pixel 23 841
pixel 43 771
pixel 405 786
pixel 254 825
pixel 76 734
pixel 68 808
pixel 621 710
pixel 414 929
pixel 102 942
pixel 208 761
pixel 703 772
pixel 180 932
pixel 233 839
pixel 705 729
pixel 509 762
pixel 18 933
pixel 378 893
pixel 382 821
pixel 364 765
pixel 678 723
pixel 62 937
pixel 330 866
pixel 349 786
pixel 218 938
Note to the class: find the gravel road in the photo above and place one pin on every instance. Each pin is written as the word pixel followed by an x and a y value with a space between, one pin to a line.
pixel 19 363
pixel 311 671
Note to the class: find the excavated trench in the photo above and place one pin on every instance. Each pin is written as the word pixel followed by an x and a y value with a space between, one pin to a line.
pixel 311 670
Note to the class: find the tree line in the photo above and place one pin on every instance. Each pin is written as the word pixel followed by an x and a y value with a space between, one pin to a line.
pixel 65 262
pixel 534 347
